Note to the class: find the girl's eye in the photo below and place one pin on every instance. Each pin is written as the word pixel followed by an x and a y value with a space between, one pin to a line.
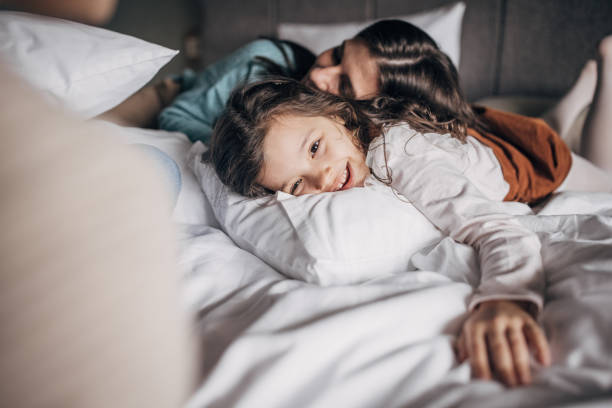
pixel 295 186
pixel 314 148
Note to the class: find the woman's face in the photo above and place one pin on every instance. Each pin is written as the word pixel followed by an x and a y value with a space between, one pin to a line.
pixel 348 70
pixel 306 155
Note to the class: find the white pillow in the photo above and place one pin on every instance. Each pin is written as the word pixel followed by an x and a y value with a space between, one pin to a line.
pixel 330 239
pixel 87 69
pixel 191 207
pixel 442 24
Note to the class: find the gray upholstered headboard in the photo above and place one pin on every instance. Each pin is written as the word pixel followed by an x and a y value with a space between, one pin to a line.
pixel 528 47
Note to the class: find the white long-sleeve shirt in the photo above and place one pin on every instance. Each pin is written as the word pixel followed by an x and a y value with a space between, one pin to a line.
pixel 459 187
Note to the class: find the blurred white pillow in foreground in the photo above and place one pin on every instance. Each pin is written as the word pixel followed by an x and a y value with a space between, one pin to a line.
pixel 87 69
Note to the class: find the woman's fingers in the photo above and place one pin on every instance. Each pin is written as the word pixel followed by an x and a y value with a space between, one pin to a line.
pixel 167 89
pixel 520 354
pixel 537 340
pixel 476 348
pixel 503 361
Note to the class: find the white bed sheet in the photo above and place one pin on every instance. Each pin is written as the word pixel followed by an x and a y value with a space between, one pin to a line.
pixel 272 342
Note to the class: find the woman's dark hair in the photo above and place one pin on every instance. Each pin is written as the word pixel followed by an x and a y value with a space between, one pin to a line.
pixel 297 68
pixel 413 68
pixel 237 140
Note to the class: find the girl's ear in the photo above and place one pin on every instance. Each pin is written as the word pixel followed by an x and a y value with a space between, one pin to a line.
pixel 338 120
pixel 342 124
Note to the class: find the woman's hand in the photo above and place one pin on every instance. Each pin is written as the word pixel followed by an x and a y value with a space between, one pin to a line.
pixel 496 338
pixel 167 89
pixel 141 109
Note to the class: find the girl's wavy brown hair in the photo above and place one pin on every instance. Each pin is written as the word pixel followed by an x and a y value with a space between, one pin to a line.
pixel 237 141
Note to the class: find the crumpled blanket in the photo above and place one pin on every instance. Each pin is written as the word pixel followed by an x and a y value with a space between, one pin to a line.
pixel 275 342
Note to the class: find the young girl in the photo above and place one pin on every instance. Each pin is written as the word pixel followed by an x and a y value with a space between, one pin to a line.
pixel 279 135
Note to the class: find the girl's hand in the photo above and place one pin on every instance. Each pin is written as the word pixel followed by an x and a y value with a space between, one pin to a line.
pixel 496 337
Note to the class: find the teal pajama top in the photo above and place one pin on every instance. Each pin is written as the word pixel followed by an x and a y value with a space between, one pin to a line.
pixel 205 94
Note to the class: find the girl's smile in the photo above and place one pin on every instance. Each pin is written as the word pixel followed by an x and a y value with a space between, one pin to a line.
pixel 305 155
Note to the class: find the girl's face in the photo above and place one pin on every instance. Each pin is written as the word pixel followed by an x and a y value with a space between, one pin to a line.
pixel 306 155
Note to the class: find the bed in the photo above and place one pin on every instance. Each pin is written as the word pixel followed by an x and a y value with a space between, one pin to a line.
pixel 292 312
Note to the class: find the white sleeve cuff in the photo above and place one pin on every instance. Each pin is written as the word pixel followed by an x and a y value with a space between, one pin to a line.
pixel 528 297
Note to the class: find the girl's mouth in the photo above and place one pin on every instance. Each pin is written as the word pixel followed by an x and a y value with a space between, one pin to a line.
pixel 346 178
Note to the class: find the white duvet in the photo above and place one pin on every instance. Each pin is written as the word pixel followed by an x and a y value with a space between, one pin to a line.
pixel 274 342
pixel 270 341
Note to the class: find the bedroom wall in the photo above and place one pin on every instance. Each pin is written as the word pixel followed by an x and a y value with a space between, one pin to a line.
pixel 547 42
pixel 159 21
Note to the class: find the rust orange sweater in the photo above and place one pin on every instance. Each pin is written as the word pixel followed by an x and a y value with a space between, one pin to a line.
pixel 533 158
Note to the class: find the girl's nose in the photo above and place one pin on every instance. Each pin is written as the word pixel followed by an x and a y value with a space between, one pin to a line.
pixel 326 78
pixel 323 180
